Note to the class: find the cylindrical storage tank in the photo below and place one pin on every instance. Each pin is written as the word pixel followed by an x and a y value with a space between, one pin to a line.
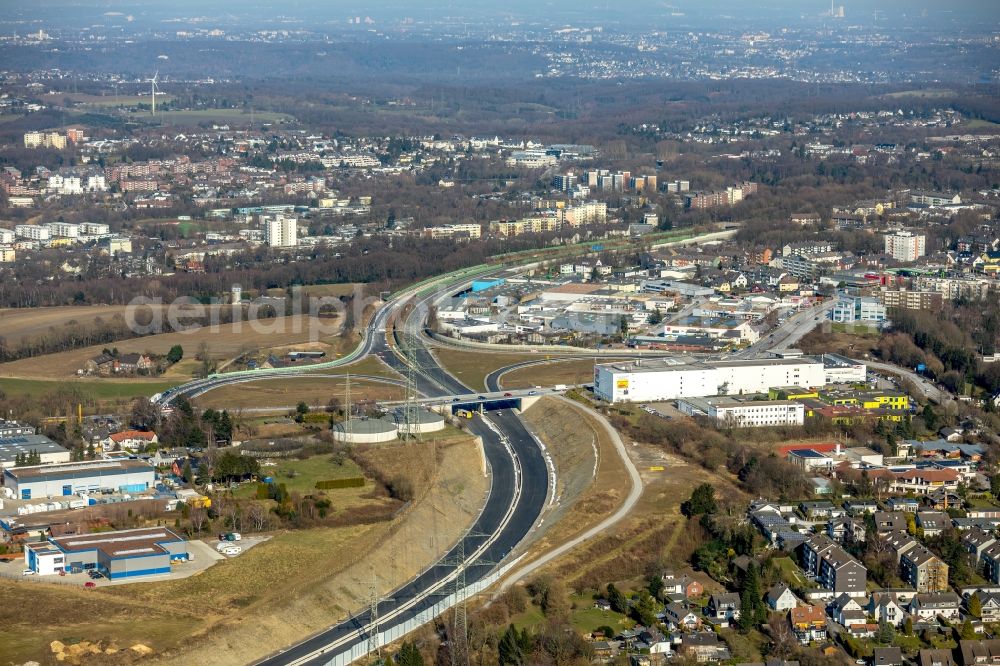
pixel 423 422
pixel 365 431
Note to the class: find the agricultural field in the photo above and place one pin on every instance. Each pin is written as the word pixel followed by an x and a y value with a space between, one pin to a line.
pixel 106 101
pixel 227 341
pixel 19 324
pixel 195 116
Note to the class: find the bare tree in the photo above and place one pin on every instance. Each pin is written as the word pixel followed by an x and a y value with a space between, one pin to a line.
pixel 783 641
pixel 198 518
pixel 257 515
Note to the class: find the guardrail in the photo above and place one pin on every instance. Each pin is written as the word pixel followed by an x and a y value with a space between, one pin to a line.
pixel 396 632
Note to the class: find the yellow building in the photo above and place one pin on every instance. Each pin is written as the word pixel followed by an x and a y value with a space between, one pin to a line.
pixel 989 262
pixel 791 393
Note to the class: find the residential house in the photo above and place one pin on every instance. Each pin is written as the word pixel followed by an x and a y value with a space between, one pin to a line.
pixel 129 440
pixel 781 598
pixel 900 543
pixel 863 629
pixel 976 540
pixel 904 504
pixel 723 608
pixel 933 522
pixel 682 586
pixel 942 500
pixel 846 610
pixel 936 657
pixel 846 530
pixel 884 608
pixel 808 623
pixel 990 603
pixel 976 652
pixel 924 570
pixel 924 481
pixel 820 509
pixel 130 364
pixel 886 656
pixel 704 646
pixel 926 607
pixel 677 616
pixel 889 521
pixel 813 548
pixel 858 507
pixel 102 365
pixel 991 563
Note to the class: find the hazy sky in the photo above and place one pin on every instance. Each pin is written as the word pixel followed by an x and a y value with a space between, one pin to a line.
pixel 705 13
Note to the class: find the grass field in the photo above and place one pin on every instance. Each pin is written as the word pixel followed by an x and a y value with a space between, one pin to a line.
pixel 791 573
pixel 286 392
pixel 472 367
pixel 979 123
pixel 195 116
pixel 578 371
pixel 111 100
pixel 585 618
pixel 98 389
pixel 302 475
pixel 927 93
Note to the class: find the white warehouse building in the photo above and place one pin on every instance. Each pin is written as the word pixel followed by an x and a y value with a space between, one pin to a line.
pixel 93 476
pixel 745 413
pixel 650 380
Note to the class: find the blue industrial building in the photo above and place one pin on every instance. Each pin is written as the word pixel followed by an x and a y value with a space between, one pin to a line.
pixel 93 476
pixel 145 551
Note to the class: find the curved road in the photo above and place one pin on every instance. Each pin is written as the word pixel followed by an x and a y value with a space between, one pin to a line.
pixel 518 492
pixel 633 496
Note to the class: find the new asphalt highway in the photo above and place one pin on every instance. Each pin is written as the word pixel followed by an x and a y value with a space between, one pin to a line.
pixel 519 490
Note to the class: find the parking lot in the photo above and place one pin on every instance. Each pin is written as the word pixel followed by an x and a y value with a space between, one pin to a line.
pixel 203 557
pixel 244 544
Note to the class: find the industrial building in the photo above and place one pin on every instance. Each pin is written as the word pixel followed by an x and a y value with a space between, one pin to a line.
pixel 57 480
pixel 122 554
pixel 650 380
pixel 728 411
pixel 48 451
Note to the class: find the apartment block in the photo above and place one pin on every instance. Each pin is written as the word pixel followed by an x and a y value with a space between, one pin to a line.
pixel 911 300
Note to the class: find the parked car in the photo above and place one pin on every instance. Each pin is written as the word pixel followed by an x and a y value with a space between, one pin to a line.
pixel 532 392
pixel 508 394
pixel 90 585
pixel 28 572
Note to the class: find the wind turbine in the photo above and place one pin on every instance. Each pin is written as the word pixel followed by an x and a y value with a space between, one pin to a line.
pixel 153 89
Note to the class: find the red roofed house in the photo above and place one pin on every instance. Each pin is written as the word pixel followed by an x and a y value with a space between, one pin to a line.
pixel 820 447
pixel 925 481
pixel 129 439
